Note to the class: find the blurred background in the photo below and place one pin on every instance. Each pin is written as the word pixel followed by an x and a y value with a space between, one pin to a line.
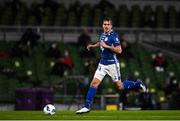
pixel 43 56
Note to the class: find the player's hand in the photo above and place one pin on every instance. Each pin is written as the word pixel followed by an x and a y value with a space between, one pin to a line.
pixel 89 47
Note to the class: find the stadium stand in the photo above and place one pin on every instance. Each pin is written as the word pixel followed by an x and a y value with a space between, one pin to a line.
pixel 39 14
pixel 35 71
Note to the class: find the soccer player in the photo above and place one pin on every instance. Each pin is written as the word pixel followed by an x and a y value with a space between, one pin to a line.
pixel 109 46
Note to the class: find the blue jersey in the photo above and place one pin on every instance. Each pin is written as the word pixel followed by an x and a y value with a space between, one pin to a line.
pixel 107 56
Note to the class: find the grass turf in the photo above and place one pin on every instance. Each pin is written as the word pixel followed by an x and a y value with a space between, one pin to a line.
pixel 93 115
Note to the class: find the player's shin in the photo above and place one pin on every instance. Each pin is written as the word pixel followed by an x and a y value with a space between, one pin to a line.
pixel 89 97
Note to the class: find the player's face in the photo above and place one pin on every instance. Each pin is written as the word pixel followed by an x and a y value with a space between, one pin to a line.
pixel 107 26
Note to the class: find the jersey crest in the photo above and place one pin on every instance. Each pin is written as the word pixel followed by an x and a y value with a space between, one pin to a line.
pixel 102 37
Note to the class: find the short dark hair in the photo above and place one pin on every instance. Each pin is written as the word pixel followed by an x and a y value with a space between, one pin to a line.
pixel 108 19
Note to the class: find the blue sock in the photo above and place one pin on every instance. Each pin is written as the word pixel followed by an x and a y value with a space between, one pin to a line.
pixel 89 97
pixel 130 84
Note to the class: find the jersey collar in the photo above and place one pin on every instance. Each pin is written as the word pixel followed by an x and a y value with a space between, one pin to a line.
pixel 108 32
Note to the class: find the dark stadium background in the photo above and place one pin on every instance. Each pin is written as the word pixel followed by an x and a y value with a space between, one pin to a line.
pixel 28 29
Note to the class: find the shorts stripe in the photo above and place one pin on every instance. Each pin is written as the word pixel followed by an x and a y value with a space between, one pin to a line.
pixel 117 70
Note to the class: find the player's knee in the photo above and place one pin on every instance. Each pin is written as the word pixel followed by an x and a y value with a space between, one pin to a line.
pixel 95 83
pixel 119 85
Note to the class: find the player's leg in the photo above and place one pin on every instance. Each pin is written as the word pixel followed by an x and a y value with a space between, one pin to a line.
pixel 114 72
pixel 99 75
pixel 91 92
pixel 126 84
pixel 90 96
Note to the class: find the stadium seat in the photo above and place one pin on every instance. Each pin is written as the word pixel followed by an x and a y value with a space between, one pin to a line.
pixel 8 15
pixel 48 18
pixel 97 18
pixel 172 17
pixel 21 17
pixel 123 16
pixel 86 15
pixel 72 19
pixel 148 13
pixel 136 16
pixel 160 17
pixel 60 18
pixel 32 21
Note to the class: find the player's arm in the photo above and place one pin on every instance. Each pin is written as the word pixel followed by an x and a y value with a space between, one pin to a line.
pixel 115 49
pixel 93 45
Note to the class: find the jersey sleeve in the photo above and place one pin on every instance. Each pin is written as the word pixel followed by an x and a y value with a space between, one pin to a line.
pixel 116 40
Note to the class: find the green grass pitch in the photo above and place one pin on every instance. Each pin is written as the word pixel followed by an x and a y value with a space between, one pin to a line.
pixel 93 115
